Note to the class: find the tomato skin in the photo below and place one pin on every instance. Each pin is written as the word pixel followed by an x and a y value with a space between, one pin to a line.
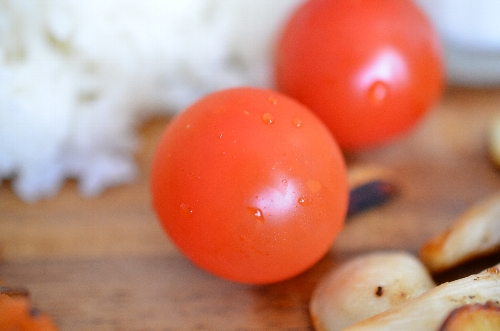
pixel 250 185
pixel 370 69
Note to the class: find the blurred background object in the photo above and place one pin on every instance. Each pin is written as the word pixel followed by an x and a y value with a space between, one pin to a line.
pixel 78 78
pixel 470 30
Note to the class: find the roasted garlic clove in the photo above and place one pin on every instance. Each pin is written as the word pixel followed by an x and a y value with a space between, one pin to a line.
pixel 429 310
pixel 474 234
pixel 474 317
pixel 366 286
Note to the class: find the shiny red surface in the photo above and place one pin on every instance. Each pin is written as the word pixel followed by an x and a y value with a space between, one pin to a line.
pixel 369 68
pixel 250 185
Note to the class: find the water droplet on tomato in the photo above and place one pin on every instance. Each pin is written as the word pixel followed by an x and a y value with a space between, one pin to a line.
pixel 303 201
pixel 297 122
pixel 185 209
pixel 377 93
pixel 273 100
pixel 257 213
pixel 268 118
pixel 220 134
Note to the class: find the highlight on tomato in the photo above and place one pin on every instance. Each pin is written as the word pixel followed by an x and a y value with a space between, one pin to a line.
pixel 370 69
pixel 250 185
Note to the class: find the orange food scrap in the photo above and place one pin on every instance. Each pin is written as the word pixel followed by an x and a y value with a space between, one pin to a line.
pixel 18 314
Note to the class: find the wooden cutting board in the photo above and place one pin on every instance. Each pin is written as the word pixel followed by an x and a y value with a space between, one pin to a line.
pixel 105 264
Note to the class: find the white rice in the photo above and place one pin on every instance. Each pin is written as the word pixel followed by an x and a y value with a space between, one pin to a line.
pixel 78 77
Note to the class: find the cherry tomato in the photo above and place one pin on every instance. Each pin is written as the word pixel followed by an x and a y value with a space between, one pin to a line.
pixel 250 185
pixel 370 69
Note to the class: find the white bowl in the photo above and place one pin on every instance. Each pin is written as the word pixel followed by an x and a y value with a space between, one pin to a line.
pixel 470 30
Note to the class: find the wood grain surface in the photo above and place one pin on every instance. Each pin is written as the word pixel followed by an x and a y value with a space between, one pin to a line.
pixel 104 263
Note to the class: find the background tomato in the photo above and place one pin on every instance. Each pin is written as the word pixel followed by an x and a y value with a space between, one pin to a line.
pixel 250 185
pixel 369 68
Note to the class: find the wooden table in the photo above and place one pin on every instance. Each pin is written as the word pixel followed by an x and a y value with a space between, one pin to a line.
pixel 105 264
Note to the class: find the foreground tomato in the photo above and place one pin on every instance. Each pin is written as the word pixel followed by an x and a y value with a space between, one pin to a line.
pixel 369 68
pixel 250 185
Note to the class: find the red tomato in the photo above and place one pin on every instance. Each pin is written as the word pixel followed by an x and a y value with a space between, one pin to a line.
pixel 369 68
pixel 250 185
